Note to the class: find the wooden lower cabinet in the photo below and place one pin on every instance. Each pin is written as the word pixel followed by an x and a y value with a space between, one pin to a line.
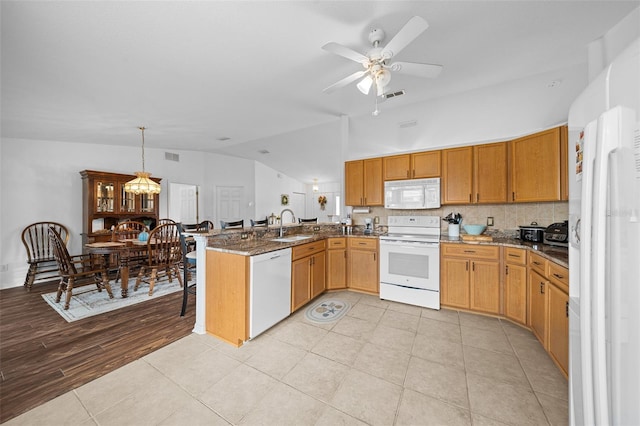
pixel 558 346
pixel 515 284
pixel 307 273
pixel 470 277
pixel 336 263
pixel 454 282
pixel 538 303
pixel 362 264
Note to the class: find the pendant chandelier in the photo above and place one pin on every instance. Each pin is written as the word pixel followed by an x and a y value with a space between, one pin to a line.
pixel 142 184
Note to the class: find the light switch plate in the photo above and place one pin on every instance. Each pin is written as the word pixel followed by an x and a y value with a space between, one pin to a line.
pixel 490 221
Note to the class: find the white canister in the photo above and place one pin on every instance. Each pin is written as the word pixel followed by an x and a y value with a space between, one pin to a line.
pixel 454 230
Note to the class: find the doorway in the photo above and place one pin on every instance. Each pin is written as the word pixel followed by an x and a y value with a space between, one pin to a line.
pixel 183 203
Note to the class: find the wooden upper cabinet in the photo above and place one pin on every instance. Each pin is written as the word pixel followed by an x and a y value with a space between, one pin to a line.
pixel 412 166
pixel 397 167
pixel 426 164
pixel 363 183
pixel 535 167
pixel 490 173
pixel 354 182
pixel 456 185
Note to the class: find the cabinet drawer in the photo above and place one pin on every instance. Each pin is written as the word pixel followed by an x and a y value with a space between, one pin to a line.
pixel 363 243
pixel 515 255
pixel 336 243
pixel 538 263
pixel 308 249
pixel 559 275
pixel 468 250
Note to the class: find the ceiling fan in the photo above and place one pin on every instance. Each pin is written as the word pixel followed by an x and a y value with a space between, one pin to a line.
pixel 377 68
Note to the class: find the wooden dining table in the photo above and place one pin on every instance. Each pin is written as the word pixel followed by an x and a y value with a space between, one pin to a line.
pixel 122 249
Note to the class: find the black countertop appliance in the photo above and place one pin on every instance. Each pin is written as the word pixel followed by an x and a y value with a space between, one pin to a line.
pixel 557 234
pixel 532 233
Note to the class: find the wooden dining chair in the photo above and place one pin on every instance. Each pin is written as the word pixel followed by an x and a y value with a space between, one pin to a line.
pixel 188 269
pixel 40 256
pixel 261 222
pixel 205 225
pixel 165 221
pixel 230 225
pixel 77 270
pixel 164 257
pixel 131 230
pixel 314 220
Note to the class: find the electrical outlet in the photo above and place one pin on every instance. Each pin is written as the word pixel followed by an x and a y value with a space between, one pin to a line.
pixel 244 235
pixel 490 221
pixel 316 228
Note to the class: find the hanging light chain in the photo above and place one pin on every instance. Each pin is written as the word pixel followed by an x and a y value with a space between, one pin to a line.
pixel 142 128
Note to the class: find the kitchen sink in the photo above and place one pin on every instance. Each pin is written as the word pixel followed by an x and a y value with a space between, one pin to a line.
pixel 292 239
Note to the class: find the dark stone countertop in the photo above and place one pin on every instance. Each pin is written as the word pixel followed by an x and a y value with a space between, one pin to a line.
pixel 559 255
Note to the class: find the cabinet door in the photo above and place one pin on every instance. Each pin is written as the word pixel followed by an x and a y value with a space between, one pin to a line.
pixel 490 173
pixel 300 278
pixel 354 183
pixel 454 282
pixel 104 196
pixel 336 269
pixel 397 167
pixel 457 175
pixel 425 164
pixel 538 306
pixel 485 286
pixel 515 293
pixel 363 270
pixel 317 274
pixel 559 327
pixel 127 203
pixel 373 184
pixel 535 167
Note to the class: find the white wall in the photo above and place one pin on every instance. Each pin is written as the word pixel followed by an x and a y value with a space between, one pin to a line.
pixel 40 180
pixel 269 185
pixel 494 113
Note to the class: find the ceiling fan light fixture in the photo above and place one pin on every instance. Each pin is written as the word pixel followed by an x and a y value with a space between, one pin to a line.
pixel 383 78
pixel 365 85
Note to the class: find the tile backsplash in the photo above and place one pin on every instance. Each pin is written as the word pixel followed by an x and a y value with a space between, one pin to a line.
pixel 506 217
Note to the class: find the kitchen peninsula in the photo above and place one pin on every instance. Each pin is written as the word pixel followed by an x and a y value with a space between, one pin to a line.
pixel 225 291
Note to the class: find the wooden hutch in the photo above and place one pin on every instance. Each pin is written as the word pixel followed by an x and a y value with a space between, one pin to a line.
pixel 105 203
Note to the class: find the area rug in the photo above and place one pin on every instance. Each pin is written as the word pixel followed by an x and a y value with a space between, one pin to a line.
pixel 327 311
pixel 87 301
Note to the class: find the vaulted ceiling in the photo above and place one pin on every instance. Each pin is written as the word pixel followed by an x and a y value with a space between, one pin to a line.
pixel 217 76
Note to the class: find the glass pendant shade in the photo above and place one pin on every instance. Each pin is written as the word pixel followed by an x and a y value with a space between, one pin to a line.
pixel 142 184
pixel 365 85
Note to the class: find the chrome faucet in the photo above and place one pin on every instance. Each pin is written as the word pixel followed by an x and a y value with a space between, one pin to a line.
pixel 293 217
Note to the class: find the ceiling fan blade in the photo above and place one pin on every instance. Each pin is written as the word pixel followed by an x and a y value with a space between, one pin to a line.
pixel 406 35
pixel 345 52
pixel 415 69
pixel 349 79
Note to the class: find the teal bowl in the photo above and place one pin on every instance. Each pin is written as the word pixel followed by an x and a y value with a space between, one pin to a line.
pixel 474 229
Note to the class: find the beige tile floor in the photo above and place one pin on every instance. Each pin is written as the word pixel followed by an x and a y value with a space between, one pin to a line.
pixel 384 363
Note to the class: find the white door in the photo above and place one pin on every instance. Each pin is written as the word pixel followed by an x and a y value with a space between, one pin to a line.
pixel 183 203
pixel 229 205
pixel 296 203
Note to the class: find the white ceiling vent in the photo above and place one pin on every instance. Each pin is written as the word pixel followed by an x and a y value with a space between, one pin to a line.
pixel 170 156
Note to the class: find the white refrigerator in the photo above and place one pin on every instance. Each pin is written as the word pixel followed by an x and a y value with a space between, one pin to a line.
pixel 604 249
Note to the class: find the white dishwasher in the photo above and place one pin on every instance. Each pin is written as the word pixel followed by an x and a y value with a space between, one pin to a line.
pixel 269 290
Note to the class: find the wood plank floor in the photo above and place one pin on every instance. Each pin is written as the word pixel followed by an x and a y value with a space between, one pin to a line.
pixel 42 356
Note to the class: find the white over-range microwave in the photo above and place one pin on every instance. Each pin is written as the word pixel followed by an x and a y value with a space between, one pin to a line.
pixel 412 194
